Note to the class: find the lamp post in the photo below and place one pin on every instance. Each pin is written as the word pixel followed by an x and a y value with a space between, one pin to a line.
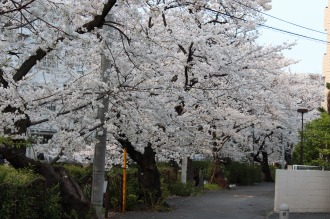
pixel 302 111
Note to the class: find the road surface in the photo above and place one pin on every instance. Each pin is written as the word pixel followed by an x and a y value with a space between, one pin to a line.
pixel 245 202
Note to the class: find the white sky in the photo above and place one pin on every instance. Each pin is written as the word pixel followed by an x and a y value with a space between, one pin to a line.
pixel 307 13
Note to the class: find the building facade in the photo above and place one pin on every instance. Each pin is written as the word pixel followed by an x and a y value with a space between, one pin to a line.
pixel 326 58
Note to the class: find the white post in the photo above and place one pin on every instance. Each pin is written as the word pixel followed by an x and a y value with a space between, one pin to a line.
pixel 184 167
pixel 100 147
pixel 284 211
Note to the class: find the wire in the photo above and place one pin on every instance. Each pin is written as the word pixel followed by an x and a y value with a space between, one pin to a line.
pixel 288 22
pixel 295 34
pixel 272 28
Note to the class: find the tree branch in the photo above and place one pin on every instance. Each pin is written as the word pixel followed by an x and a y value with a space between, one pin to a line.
pixel 17 8
pixel 97 22
pixel 125 143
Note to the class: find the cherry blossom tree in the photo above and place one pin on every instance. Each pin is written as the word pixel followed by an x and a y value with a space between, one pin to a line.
pixel 32 31
pixel 275 127
pixel 185 76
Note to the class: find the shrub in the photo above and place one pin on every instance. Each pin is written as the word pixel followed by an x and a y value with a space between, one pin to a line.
pixel 131 202
pixel 32 200
pixel 242 173
pixel 114 192
pixel 168 174
pixel 16 177
pixel 82 175
pixel 114 189
pixel 78 172
pixel 52 206
pixel 23 194
pixel 182 189
pixel 205 166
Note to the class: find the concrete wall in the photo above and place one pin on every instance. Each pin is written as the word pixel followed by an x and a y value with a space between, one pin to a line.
pixel 303 190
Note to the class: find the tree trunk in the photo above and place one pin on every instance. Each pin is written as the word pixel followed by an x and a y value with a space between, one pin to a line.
pixel 71 194
pixel 148 174
pixel 267 177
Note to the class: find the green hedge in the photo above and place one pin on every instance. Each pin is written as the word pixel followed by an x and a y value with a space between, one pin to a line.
pixel 205 165
pixel 182 189
pixel 24 195
pixel 242 173
pixel 82 175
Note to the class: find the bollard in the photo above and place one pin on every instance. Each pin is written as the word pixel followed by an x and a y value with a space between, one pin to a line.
pixel 284 211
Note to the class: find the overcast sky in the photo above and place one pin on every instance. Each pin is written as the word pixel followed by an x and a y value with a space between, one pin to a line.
pixel 307 13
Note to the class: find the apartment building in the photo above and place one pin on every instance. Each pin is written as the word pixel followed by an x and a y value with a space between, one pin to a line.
pixel 326 58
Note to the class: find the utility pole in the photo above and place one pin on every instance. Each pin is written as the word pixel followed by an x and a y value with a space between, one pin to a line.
pixel 101 137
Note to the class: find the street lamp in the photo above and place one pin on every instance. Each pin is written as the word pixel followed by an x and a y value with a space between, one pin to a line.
pixel 302 111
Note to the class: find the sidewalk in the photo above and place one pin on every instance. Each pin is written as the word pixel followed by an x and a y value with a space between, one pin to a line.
pixel 302 216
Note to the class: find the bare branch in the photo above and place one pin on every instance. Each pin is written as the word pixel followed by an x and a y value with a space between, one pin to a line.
pixel 97 22
pixel 19 8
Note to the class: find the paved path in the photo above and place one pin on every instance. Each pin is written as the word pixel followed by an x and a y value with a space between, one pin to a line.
pixel 246 202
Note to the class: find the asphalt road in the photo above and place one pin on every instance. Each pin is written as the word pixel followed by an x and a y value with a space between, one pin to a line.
pixel 245 202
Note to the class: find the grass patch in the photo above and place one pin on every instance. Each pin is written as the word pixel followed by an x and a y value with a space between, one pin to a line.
pixel 211 186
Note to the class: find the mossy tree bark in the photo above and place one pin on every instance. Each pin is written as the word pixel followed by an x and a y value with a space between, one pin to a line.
pixel 148 174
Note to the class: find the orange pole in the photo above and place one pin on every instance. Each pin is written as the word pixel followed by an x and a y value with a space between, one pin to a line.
pixel 124 182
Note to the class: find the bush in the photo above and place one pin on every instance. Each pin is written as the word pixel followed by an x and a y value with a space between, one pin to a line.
pixel 242 173
pixel 78 172
pixel 168 174
pixel 52 206
pixel 182 189
pixel 23 194
pixel 82 176
pixel 16 177
pixel 114 189
pixel 205 166
pixel 131 202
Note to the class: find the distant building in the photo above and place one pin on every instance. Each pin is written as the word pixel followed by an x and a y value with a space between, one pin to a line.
pixel 326 59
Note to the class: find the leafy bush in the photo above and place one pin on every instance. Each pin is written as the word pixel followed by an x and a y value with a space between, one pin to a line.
pixel 131 202
pixel 114 189
pixel 23 194
pixel 182 189
pixel 16 177
pixel 168 174
pixel 205 166
pixel 82 175
pixel 242 173
pixel 78 172
pixel 52 206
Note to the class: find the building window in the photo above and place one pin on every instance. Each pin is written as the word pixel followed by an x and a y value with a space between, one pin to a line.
pixel 51 107
pixel 80 68
pixel 49 61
